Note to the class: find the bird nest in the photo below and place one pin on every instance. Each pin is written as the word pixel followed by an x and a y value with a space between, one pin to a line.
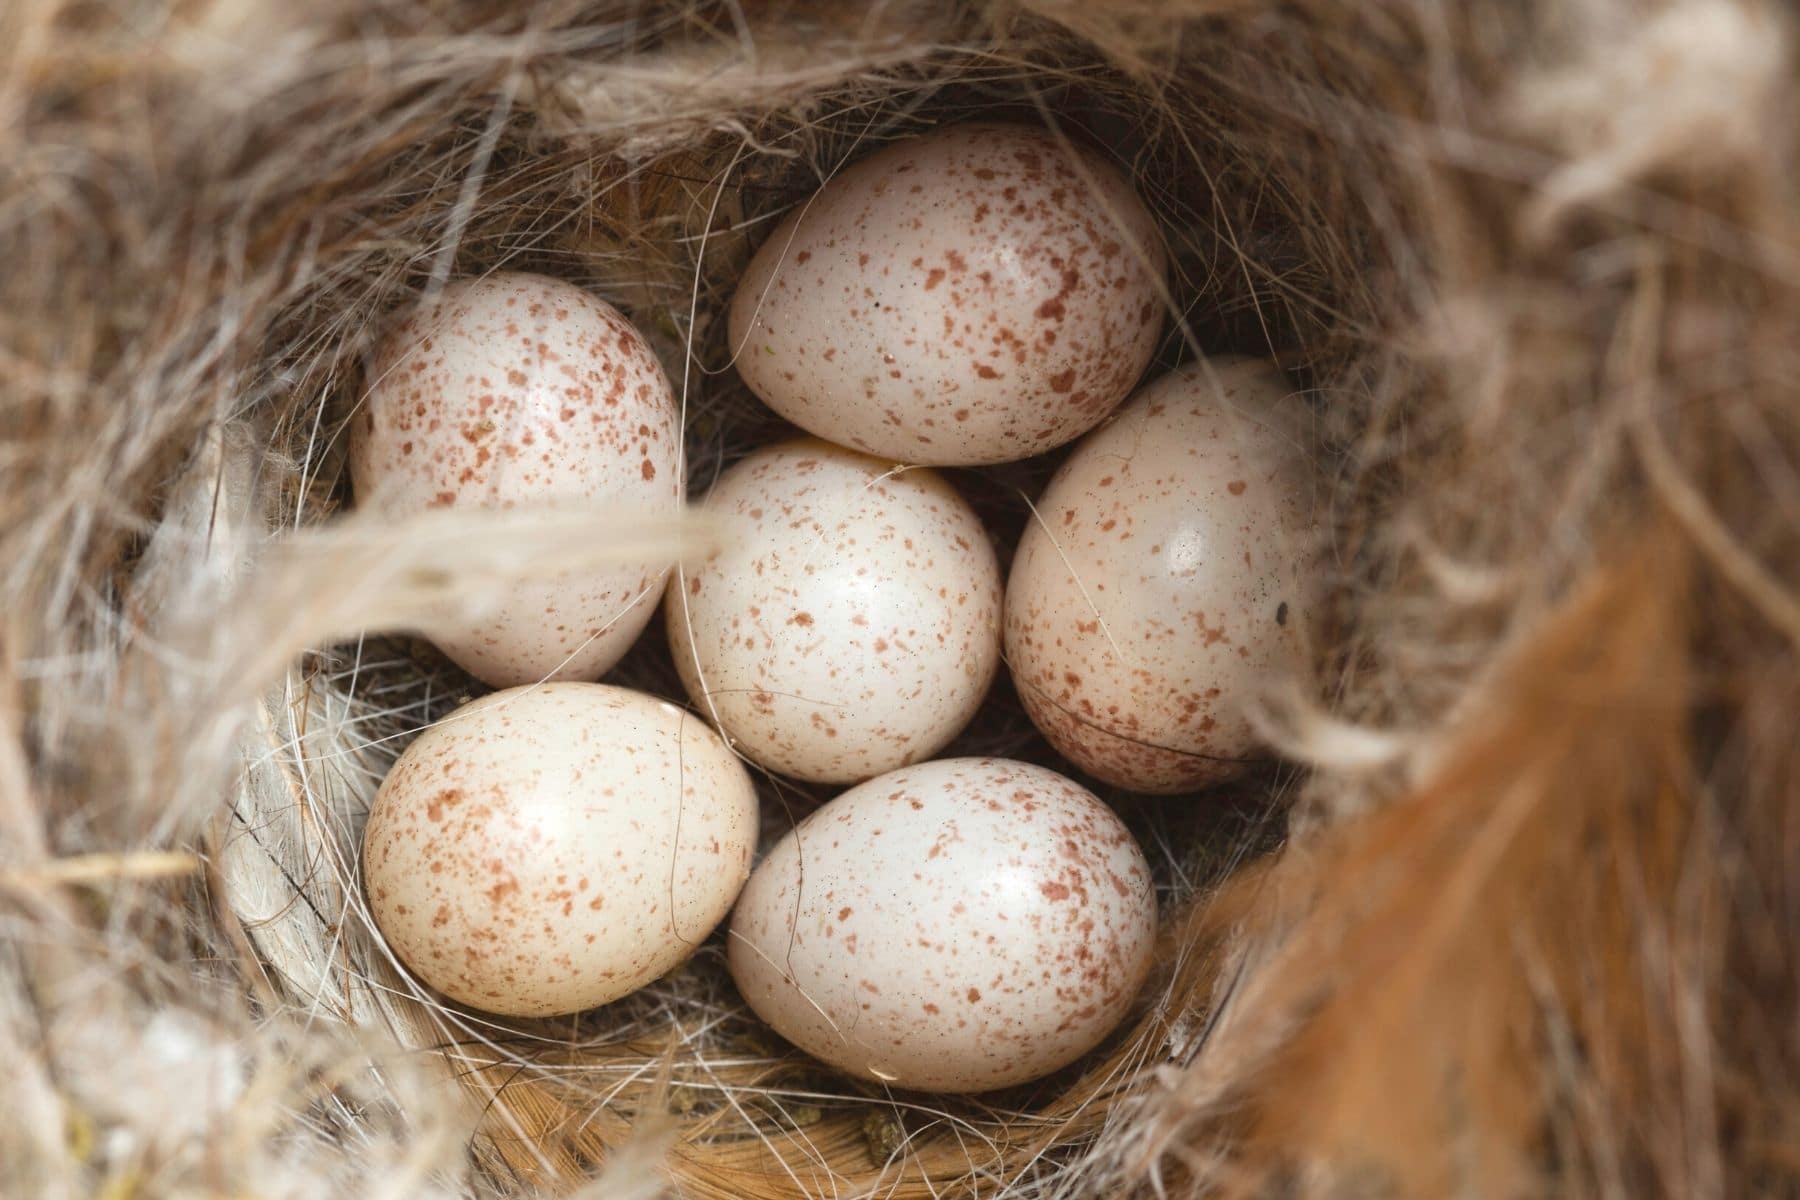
pixel 1515 915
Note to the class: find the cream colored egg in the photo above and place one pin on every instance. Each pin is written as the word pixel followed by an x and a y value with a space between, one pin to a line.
pixel 955 926
pixel 1166 578
pixel 851 623
pixel 975 295
pixel 544 850
pixel 515 389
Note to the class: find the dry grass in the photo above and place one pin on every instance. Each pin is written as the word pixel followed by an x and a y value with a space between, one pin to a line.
pixel 1527 924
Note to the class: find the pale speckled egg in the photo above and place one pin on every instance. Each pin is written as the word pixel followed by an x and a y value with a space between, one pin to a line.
pixel 547 849
pixel 954 926
pixel 979 294
pixel 1166 577
pixel 851 623
pixel 513 389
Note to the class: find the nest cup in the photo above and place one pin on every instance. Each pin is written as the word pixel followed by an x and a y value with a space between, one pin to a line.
pixel 1476 930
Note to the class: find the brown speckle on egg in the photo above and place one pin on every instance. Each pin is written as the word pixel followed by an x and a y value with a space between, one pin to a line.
pixel 470 885
pixel 850 624
pixel 506 390
pixel 1041 897
pixel 1137 613
pixel 1016 281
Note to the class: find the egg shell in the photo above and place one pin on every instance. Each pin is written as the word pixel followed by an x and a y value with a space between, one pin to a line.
pixel 954 926
pixel 513 389
pixel 1166 577
pixel 979 294
pixel 850 624
pixel 547 849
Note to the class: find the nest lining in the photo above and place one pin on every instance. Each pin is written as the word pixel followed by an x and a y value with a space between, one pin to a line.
pixel 689 1045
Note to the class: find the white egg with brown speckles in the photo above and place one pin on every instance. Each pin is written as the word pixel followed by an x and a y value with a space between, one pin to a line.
pixel 514 389
pixel 1166 577
pixel 544 850
pixel 851 622
pixel 955 926
pixel 979 294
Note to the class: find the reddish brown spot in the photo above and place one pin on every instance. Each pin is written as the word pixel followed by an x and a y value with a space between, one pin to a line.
pixel 803 257
pixel 844 913
pixel 1052 309
pixel 648 470
pixel 1235 487
pixel 1053 890
pixel 448 798
pixel 802 619
pixel 934 277
pixel 1062 381
pixel 986 372
pixel 974 995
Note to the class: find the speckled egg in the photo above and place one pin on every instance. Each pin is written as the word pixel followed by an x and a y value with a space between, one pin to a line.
pixel 955 926
pixel 515 389
pixel 851 623
pixel 1166 577
pixel 976 295
pixel 547 849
